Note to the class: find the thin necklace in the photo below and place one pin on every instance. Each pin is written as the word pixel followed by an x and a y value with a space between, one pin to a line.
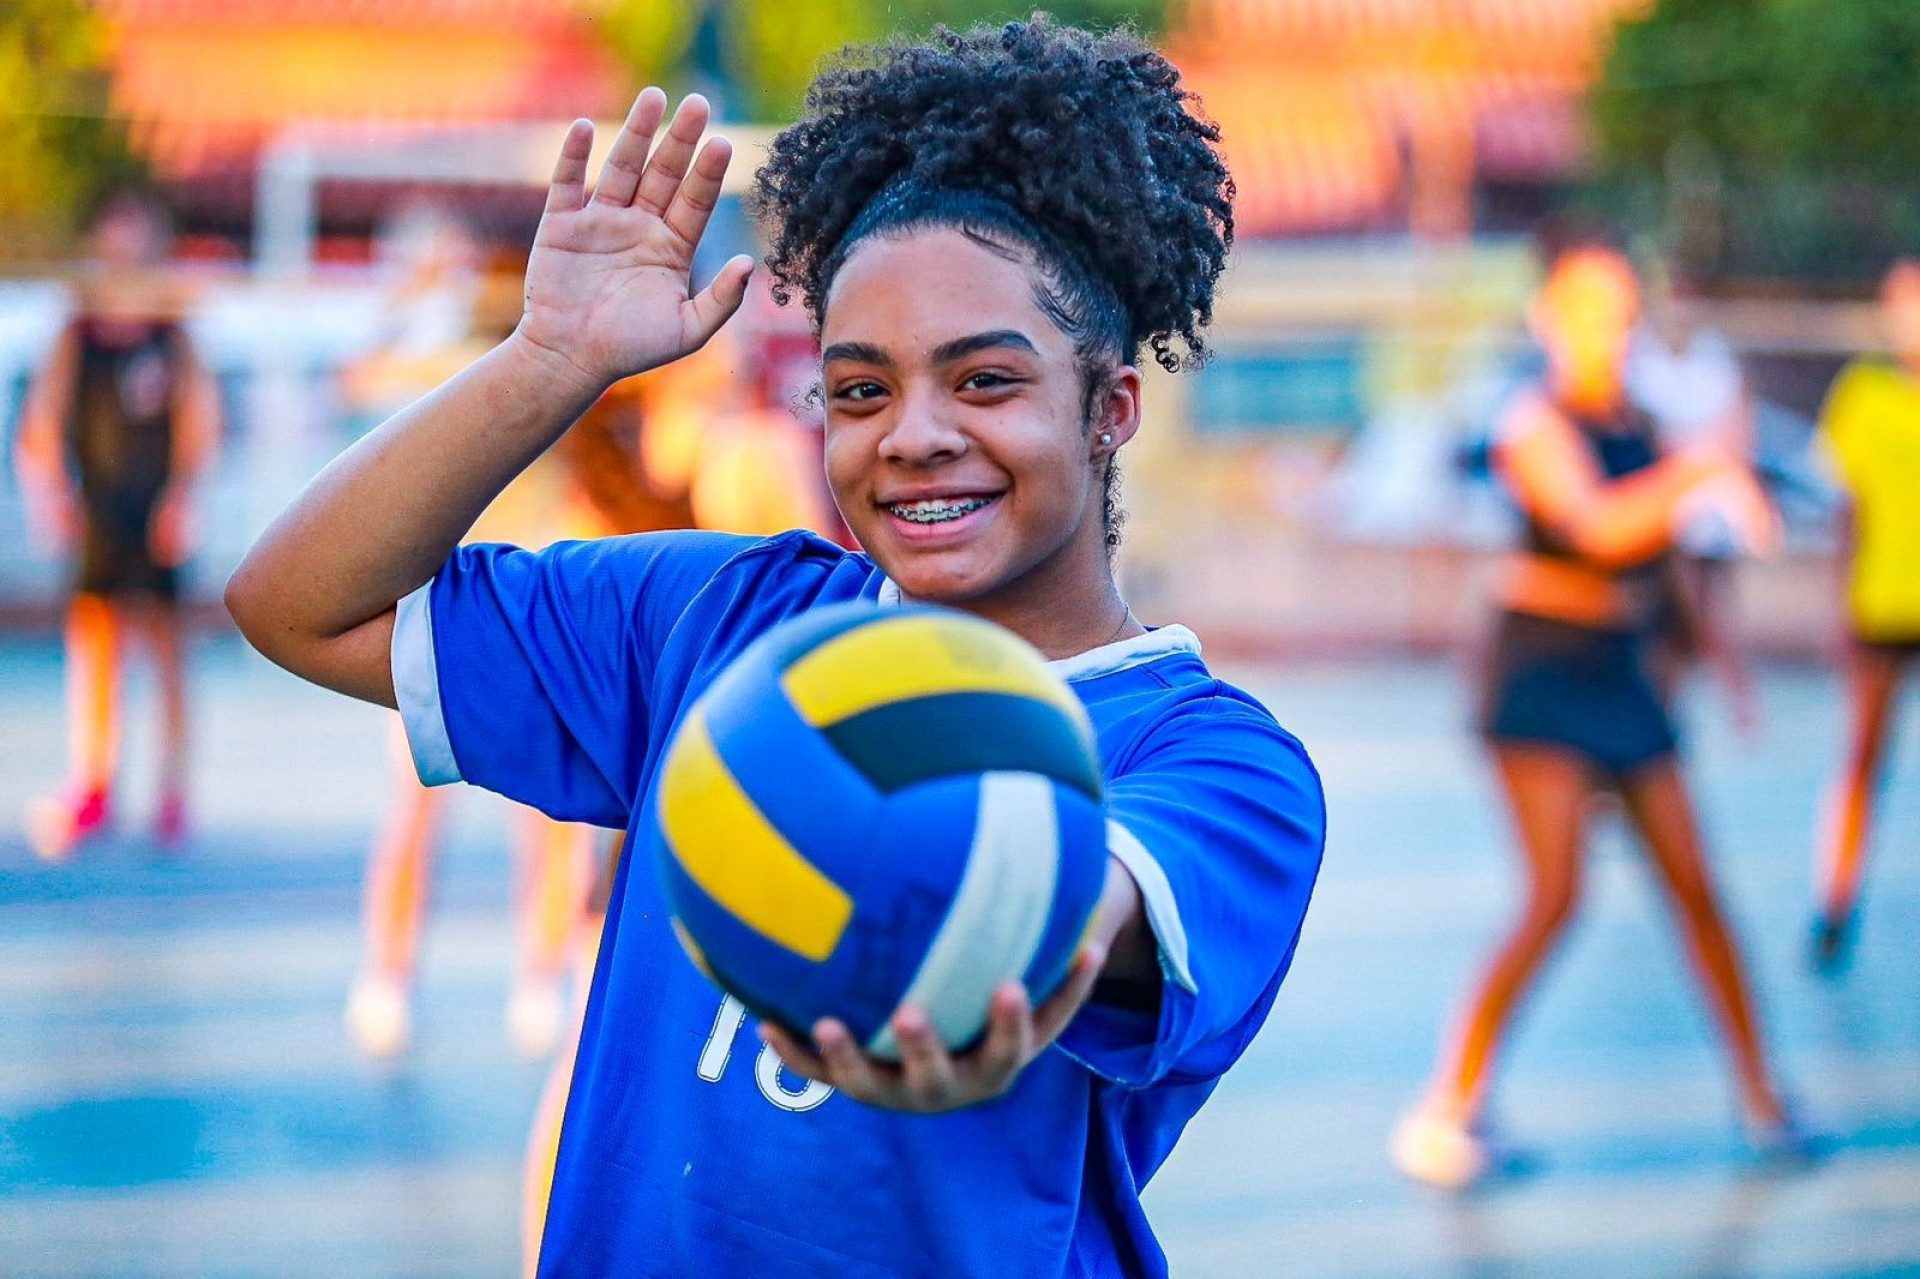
pixel 1126 616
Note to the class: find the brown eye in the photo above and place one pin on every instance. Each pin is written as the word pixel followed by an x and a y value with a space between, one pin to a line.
pixel 858 391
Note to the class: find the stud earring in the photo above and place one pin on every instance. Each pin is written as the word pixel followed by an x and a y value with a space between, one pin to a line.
pixel 1106 438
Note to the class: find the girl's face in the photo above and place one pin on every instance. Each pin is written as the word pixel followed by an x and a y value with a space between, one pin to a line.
pixel 1583 317
pixel 129 235
pixel 956 441
pixel 1900 302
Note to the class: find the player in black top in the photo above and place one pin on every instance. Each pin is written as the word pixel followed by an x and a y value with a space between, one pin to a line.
pixel 114 429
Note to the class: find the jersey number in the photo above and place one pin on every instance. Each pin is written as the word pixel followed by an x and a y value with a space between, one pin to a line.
pixel 766 1068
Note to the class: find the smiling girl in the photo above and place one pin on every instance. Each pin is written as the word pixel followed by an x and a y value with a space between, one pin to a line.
pixel 987 229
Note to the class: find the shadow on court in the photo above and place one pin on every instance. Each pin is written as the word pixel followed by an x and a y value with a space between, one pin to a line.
pixel 178 1097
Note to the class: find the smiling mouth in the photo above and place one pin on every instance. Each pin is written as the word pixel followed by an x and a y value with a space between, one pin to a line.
pixel 939 510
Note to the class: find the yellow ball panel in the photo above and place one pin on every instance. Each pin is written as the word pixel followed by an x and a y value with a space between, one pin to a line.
pixel 727 847
pixel 917 655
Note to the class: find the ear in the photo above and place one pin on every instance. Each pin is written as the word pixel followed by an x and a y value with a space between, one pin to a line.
pixel 1116 418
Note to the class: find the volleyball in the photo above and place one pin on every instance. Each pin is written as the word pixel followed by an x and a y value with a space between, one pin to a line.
pixel 877 806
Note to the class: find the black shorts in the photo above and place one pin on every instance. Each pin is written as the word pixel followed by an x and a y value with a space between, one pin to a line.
pixel 1553 683
pixel 116 553
pixel 1900 649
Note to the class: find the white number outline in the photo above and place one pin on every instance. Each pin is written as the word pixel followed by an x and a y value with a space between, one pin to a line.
pixel 718 1051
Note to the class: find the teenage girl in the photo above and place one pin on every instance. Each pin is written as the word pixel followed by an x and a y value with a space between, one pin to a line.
pixel 1871 430
pixel 115 430
pixel 987 230
pixel 1572 708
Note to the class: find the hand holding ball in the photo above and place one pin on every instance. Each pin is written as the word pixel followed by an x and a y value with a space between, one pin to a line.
pixel 876 807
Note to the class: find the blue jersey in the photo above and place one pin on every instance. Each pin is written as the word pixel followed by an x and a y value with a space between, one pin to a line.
pixel 556 678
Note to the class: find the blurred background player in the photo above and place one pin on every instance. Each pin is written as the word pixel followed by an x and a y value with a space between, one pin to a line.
pixel 116 427
pixel 438 323
pixel 1871 431
pixel 1684 374
pixel 1572 708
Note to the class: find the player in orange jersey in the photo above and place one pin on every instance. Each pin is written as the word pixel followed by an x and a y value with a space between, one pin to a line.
pixel 1572 708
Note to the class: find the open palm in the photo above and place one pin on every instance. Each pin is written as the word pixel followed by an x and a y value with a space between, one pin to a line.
pixel 609 283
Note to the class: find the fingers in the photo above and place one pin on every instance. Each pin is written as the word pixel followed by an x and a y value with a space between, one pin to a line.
pixel 627 157
pixel 1052 1016
pixel 567 190
pixel 849 1069
pixel 794 1055
pixel 714 305
pixel 660 180
pixel 926 1066
pixel 929 1078
pixel 1011 1040
pixel 694 202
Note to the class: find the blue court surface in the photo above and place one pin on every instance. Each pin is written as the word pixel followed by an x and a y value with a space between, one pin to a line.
pixel 178 1097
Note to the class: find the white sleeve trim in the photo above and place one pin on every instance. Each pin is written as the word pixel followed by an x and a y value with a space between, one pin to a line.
pixel 416 687
pixel 1163 912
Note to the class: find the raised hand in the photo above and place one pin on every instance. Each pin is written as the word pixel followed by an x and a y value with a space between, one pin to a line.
pixel 609 286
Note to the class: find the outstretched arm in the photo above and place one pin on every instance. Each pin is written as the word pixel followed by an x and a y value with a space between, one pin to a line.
pixel 608 294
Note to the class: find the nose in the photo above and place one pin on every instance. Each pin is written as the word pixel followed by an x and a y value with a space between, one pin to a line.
pixel 923 432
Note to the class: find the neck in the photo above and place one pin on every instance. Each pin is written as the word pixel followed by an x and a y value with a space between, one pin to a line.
pixel 1601 405
pixel 1063 608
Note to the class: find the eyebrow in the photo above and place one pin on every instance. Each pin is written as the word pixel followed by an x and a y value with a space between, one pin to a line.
pixel 945 353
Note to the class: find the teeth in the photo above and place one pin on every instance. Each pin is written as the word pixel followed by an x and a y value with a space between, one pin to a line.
pixel 938 510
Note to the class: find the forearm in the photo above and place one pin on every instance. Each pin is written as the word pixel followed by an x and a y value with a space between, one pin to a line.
pixel 1120 924
pixel 1630 521
pixel 380 520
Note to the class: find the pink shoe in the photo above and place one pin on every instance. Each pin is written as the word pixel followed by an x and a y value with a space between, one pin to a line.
pixel 170 822
pixel 61 823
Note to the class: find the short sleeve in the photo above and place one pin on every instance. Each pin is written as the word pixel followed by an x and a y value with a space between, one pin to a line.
pixel 1221 820
pixel 530 673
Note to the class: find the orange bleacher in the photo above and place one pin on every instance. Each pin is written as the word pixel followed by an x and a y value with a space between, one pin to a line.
pixel 1348 114
pixel 1339 115
pixel 203 83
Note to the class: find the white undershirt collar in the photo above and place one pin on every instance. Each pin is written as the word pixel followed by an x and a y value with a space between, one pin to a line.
pixel 1120 655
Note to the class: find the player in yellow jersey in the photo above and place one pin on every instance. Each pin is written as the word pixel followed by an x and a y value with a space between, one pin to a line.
pixel 1870 429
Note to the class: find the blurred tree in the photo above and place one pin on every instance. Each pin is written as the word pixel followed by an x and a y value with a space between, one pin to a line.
pixel 1770 138
pixel 768 50
pixel 60 148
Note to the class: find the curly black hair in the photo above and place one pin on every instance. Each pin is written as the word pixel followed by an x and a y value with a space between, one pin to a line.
pixel 1081 147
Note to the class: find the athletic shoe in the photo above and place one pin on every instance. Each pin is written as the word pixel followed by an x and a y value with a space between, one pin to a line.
pixel 1830 943
pixel 61 823
pixel 1440 1151
pixel 380 1015
pixel 1788 1142
pixel 536 1014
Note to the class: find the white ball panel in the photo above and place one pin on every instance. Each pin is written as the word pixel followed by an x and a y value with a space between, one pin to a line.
pixel 999 913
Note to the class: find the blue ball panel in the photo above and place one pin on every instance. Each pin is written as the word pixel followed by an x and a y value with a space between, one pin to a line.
pixel 911 741
pixel 1081 880
pixel 806 790
pixel 900 873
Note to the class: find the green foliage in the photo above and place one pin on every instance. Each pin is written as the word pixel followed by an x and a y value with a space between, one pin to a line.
pixel 769 49
pixel 1797 121
pixel 59 146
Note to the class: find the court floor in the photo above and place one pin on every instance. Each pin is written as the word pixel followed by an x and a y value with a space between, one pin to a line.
pixel 177 1096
